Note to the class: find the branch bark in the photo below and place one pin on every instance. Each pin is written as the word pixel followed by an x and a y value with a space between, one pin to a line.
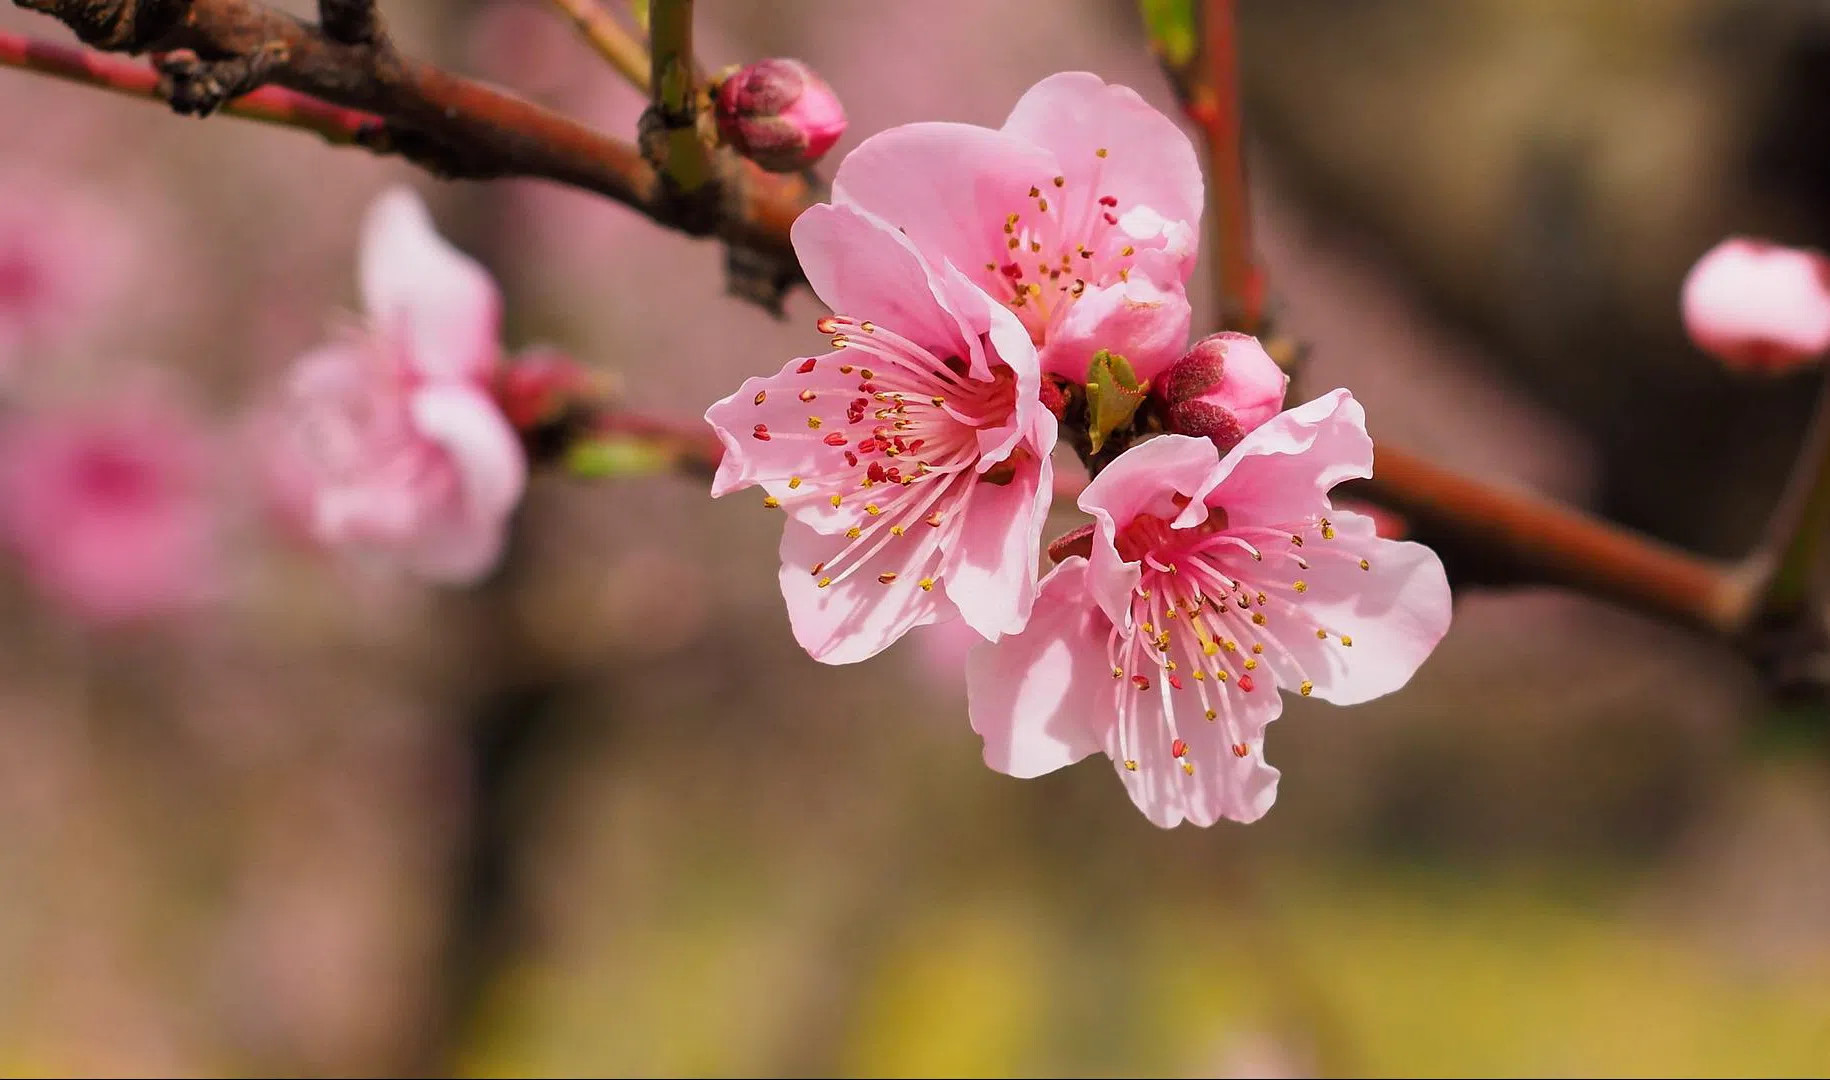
pixel 216 50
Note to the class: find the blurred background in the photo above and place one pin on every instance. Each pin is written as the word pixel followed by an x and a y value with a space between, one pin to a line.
pixel 262 810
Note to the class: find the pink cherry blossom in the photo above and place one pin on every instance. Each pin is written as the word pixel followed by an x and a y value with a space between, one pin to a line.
pixel 912 460
pixel 109 508
pixel 394 443
pixel 780 114
pixel 65 257
pixel 1213 583
pixel 1758 306
pixel 1081 214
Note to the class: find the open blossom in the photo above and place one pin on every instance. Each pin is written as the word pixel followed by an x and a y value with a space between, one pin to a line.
pixel 109 508
pixel 912 460
pixel 1759 306
pixel 1213 582
pixel 1081 213
pixel 395 445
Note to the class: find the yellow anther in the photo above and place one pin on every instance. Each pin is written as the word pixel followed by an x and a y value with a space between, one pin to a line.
pixel 1258 618
pixel 1347 641
pixel 1300 586
pixel 771 501
pixel 825 581
pixel 793 482
pixel 1306 688
pixel 813 421
pixel 927 584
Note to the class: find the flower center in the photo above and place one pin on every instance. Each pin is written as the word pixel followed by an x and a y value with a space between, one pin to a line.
pixel 1217 609
pixel 905 452
pixel 1064 239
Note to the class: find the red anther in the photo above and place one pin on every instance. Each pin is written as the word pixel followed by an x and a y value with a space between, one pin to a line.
pixel 807 365
pixel 827 324
pixel 1241 750
pixel 1175 682
pixel 1245 683
pixel 1110 220
pixel 867 446
pixel 875 473
pixel 760 432
pixel 1140 682
pixel 1178 749
pixel 851 459
pixel 1011 270
pixel 837 438
pixel 1104 200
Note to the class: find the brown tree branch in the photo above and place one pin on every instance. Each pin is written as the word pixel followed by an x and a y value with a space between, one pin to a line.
pixel 452 125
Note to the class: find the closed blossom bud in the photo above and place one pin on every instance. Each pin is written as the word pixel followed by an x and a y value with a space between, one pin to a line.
pixel 1222 388
pixel 779 114
pixel 538 385
pixel 1759 306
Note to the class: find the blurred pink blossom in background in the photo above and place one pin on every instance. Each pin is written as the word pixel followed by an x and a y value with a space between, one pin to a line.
pixel 64 261
pixel 393 443
pixel 1758 306
pixel 109 507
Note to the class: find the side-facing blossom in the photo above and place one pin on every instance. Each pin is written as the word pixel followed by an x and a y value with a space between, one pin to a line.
pixel 1081 214
pixel 109 507
pixel 1213 583
pixel 912 460
pixel 394 444
pixel 1759 306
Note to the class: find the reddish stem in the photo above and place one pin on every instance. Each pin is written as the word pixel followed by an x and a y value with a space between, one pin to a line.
pixel 1213 103
pixel 271 104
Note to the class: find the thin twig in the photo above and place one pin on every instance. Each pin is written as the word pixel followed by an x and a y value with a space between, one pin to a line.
pixel 446 123
pixel 684 157
pixel 615 44
pixel 136 78
pixel 1214 105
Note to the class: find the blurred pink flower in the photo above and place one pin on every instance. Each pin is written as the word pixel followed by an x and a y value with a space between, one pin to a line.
pixel 1213 582
pixel 109 508
pixel 1224 386
pixel 914 455
pixel 1759 306
pixel 1081 213
pixel 64 258
pixel 394 445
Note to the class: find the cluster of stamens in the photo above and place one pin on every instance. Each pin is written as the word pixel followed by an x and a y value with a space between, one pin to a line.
pixel 1054 248
pixel 904 451
pixel 1207 615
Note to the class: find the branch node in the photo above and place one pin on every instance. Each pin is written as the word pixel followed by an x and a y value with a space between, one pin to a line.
pixel 198 87
pixel 352 22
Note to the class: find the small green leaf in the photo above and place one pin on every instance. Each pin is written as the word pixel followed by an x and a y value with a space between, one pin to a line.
pixel 1170 25
pixel 1114 394
pixel 615 456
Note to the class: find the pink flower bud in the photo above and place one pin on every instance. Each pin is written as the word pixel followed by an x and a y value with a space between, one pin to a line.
pixel 1222 388
pixel 1758 306
pixel 779 114
pixel 537 387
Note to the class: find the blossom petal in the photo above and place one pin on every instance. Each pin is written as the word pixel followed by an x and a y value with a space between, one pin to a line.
pixel 1142 320
pixel 950 187
pixel 1282 471
pixel 790 448
pixel 1143 480
pixel 1037 698
pixel 491 477
pixel 858 617
pixel 1394 612
pixel 1223 784
pixel 1110 140
pixel 990 567
pixel 862 268
pixel 440 302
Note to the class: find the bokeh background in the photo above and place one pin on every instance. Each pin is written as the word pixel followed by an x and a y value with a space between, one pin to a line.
pixel 600 815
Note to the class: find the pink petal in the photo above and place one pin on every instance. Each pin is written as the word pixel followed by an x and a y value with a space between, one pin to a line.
pixel 950 187
pixel 1759 306
pixel 420 289
pixel 1223 785
pixel 1038 698
pixel 990 567
pixel 859 617
pixel 1395 612
pixel 864 269
pixel 1282 471
pixel 789 448
pixel 1148 160
pixel 1143 480
pixel 1144 322
pixel 491 473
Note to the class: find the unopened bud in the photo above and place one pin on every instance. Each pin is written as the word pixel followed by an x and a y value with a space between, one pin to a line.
pixel 1078 542
pixel 1759 306
pixel 779 114
pixel 538 387
pixel 1222 388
